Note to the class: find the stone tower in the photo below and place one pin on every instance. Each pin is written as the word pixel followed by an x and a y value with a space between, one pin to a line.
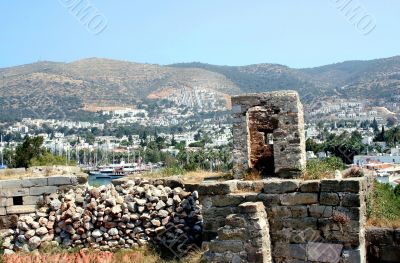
pixel 268 134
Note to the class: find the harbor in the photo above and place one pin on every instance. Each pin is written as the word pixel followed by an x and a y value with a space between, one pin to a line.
pixel 104 174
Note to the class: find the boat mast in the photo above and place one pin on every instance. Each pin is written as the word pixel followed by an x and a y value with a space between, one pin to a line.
pixel 1 144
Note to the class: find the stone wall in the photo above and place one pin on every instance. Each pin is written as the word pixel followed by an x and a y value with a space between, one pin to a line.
pixel 131 214
pixel 383 245
pixel 268 134
pixel 314 221
pixel 20 196
pixel 244 238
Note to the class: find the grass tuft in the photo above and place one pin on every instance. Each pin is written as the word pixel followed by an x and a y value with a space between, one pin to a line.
pixel 322 168
pixel 383 206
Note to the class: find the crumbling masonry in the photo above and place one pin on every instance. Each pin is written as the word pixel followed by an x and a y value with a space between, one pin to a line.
pixel 268 134
pixel 280 219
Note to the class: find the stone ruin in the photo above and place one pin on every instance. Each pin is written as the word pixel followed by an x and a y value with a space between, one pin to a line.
pixel 280 218
pixel 268 134
pixel 276 219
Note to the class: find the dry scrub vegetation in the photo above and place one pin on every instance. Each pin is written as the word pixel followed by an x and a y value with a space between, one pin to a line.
pixel 196 176
pixel 31 172
pixel 92 256
pixel 383 206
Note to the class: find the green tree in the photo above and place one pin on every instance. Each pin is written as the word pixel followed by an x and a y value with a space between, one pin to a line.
pixel 89 137
pixel 374 125
pixel 48 158
pixel 25 152
pixel 380 137
pixel 311 145
pixel 173 141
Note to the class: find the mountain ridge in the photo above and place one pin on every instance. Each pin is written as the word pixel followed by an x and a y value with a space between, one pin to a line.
pixel 74 86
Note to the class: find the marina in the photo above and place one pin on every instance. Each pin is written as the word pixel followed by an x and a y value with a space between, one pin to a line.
pixel 103 175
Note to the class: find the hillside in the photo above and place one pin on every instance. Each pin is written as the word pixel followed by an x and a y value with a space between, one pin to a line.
pixel 54 90
pixel 363 79
pixel 48 89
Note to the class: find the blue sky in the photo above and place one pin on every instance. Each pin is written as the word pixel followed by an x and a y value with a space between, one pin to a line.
pixel 225 32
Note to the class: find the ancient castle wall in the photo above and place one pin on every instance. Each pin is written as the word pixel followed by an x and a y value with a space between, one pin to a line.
pixel 243 238
pixel 313 221
pixel 268 134
pixel 383 245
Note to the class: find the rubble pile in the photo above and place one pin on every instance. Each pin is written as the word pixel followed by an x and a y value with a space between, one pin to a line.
pixel 129 215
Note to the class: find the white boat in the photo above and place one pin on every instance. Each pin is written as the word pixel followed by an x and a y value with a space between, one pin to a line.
pixel 120 169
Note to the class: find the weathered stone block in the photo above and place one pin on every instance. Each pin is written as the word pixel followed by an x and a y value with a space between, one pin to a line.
pixel 219 211
pixel 352 212
pixel 324 252
pixel 300 223
pixel 42 190
pixel 2 211
pixel 61 180
pixel 351 227
pixel 269 199
pixel 217 188
pixel 212 224
pixel 279 211
pixel 21 209
pixel 15 183
pixel 249 197
pixel 302 236
pixel 309 186
pixel 226 200
pixel 351 200
pixel 251 207
pixel 250 186
pixel 297 251
pixel 34 182
pixel 352 185
pixel 229 233
pixel 330 186
pixel 6 201
pixel 299 199
pixel 280 250
pixel 30 200
pixel 11 192
pixel 293 223
pixel 289 251
pixel 329 199
pixel 235 221
pixel 222 246
pixel 298 210
pixel 320 211
pixel 340 236
pixel 281 186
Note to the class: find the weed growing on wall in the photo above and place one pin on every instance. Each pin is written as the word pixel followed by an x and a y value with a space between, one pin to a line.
pixel 323 168
pixel 383 206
